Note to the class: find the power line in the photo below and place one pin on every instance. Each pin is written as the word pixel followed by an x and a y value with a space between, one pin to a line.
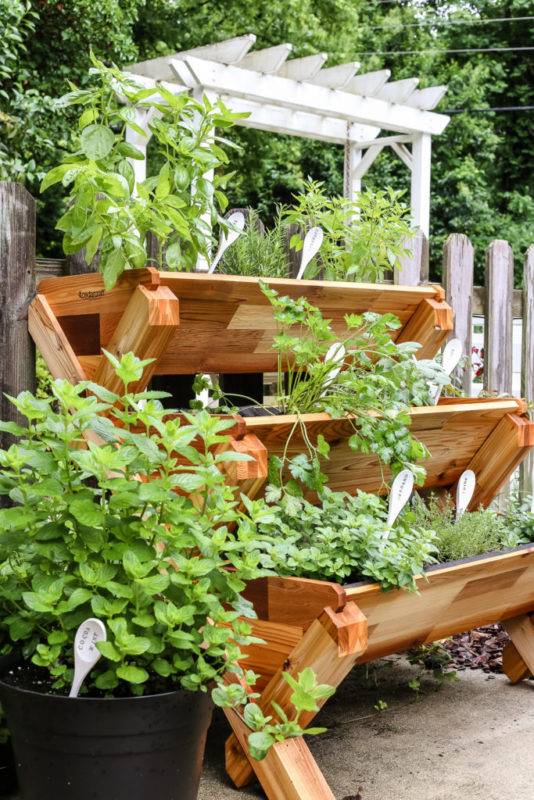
pixel 446 22
pixel 496 109
pixel 466 50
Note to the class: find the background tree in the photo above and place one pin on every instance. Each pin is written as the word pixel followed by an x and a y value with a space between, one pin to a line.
pixel 482 173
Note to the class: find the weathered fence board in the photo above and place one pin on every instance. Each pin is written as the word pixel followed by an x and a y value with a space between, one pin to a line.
pixel 458 266
pixel 17 287
pixel 498 325
pixel 527 366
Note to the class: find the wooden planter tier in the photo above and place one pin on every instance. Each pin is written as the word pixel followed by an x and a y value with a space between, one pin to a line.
pixel 490 436
pixel 193 322
pixel 330 627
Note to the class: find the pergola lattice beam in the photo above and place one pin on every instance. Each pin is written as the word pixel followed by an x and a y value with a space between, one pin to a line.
pixel 303 69
pixel 268 60
pixel 272 89
pixel 336 77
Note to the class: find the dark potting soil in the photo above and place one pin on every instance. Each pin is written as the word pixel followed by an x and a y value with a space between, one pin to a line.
pixel 36 679
pixel 259 411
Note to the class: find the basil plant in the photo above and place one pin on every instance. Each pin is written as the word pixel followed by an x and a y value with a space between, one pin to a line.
pixel 112 214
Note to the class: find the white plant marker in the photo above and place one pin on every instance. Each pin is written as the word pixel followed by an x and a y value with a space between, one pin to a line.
pixel 236 223
pixel 452 353
pixel 464 491
pixel 86 653
pixel 335 355
pixel 310 247
pixel 400 493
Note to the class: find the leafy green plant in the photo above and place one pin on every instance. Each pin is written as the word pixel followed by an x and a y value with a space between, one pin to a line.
pixel 475 533
pixel 101 531
pixel 258 251
pixel 518 517
pixel 363 238
pixel 345 537
pixel 436 659
pixel 108 211
pixel 306 696
pixel 379 382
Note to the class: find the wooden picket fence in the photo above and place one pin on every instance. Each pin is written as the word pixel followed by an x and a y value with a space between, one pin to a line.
pixel 498 302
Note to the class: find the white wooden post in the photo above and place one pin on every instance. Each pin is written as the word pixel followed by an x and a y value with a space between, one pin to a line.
pixel 420 189
pixel 527 367
pixel 351 184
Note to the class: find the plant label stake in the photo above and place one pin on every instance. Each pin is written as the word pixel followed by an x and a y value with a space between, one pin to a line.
pixel 335 355
pixel 236 225
pixel 452 353
pixel 310 247
pixel 86 653
pixel 400 493
pixel 464 491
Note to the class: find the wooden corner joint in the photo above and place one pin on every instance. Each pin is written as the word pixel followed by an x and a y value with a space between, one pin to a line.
pixel 518 653
pixel 524 427
pixel 348 628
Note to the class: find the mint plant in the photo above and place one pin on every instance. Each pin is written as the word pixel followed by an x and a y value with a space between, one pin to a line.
pixel 100 530
pixel 378 384
pixel 344 537
pixel 108 211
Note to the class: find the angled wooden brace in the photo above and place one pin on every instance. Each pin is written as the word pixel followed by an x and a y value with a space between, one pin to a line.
pixel 503 451
pixel 518 655
pixel 147 324
pixel 431 324
pixel 330 646
pixel 50 339
pixel 248 476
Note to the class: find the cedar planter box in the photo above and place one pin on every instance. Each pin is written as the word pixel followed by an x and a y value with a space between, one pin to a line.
pixel 330 627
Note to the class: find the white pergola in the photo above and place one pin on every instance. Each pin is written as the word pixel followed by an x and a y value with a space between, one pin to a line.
pixel 300 96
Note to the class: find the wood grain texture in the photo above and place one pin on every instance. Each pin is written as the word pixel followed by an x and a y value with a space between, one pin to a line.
pixel 288 772
pixel 458 269
pixel 498 313
pixel 527 366
pixel 414 266
pixel 293 601
pixel 50 339
pixel 518 658
pixel 226 322
pixel 453 431
pixel 330 646
pixel 147 324
pixel 430 325
pixel 17 287
pixel 451 599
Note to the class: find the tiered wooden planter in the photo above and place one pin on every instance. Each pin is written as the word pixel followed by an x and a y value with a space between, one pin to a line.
pixel 193 323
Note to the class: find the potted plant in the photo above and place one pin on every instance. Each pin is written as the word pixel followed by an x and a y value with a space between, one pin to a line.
pixel 138 529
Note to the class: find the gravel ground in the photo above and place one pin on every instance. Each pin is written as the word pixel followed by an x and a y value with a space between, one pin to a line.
pixel 471 739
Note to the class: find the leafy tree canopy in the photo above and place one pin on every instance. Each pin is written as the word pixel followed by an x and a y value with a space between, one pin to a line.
pixel 482 179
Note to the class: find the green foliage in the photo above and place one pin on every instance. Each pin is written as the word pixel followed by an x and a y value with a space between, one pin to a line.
pixel 307 695
pixel 435 658
pixel 518 517
pixel 363 238
pixel 100 531
pixel 108 211
pixel 378 384
pixel 345 537
pixel 258 251
pixel 475 533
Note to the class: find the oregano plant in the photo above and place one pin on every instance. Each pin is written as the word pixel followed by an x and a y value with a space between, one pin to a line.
pixel 111 213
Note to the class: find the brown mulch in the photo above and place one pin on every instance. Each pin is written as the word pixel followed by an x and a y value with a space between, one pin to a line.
pixel 478 649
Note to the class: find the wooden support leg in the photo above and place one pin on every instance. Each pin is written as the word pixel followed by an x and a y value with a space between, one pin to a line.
pixel 518 655
pixel 330 646
pixel 50 339
pixel 145 328
pixel 431 324
pixel 503 451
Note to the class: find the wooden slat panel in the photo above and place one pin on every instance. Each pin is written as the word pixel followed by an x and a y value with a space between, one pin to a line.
pixel 451 599
pixel 454 431
pixel 226 323
pixel 50 339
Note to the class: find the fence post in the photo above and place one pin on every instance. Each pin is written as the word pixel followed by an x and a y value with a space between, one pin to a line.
pixel 527 365
pixel 458 266
pixel 414 266
pixel 498 318
pixel 17 286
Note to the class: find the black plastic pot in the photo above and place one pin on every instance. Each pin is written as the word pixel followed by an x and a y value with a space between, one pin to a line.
pixel 141 748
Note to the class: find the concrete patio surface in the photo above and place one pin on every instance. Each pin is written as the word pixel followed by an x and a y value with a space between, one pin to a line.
pixel 471 739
